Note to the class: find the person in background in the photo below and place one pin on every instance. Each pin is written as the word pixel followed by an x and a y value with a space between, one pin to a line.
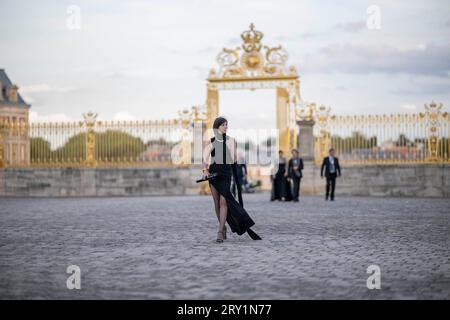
pixel 294 172
pixel 332 170
pixel 280 184
pixel 241 175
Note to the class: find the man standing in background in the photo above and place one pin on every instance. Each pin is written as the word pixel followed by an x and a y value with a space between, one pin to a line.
pixel 295 168
pixel 332 170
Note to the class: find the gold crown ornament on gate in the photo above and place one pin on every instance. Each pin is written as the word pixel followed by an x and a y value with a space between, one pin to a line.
pixel 252 59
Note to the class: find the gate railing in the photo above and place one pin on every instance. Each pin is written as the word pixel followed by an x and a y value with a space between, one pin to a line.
pixel 358 139
pixel 384 139
pixel 93 142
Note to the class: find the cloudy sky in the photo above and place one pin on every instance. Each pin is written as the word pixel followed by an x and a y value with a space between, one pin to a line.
pixel 149 59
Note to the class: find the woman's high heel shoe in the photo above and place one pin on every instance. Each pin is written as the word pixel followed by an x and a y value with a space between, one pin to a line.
pixel 219 239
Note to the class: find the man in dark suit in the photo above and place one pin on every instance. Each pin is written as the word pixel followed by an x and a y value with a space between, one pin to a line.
pixel 332 170
pixel 294 171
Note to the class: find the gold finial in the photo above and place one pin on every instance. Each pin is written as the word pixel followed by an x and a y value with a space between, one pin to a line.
pixel 252 39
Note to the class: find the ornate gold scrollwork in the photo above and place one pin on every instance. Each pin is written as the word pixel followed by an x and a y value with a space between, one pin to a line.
pixel 252 62
pixel 432 117
pixel 228 61
pixel 89 121
pixel 252 39
pixel 322 117
pixel 195 114
pixel 187 118
pixel 276 58
pixel 307 111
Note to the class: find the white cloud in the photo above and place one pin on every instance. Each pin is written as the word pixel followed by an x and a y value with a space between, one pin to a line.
pixel 351 26
pixel 32 93
pixel 368 58
pixel 42 87
pixel 409 107
pixel 123 115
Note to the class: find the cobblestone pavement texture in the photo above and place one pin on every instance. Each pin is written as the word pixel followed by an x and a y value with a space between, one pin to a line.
pixel 164 248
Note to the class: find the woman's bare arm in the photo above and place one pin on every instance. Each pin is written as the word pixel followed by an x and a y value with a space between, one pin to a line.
pixel 206 157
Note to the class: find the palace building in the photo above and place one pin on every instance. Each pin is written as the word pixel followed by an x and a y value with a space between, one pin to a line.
pixel 14 113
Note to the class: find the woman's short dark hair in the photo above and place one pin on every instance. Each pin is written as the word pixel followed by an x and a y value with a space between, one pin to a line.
pixel 218 122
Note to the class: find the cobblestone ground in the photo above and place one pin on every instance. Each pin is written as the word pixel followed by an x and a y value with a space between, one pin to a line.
pixel 163 248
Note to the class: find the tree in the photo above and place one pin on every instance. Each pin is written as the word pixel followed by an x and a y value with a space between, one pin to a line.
pixel 39 149
pixel 111 144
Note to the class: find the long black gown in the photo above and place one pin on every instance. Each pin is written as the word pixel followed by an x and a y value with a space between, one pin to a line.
pixel 281 188
pixel 237 217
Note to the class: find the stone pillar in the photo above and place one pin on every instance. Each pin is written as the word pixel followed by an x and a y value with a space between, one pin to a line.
pixel 305 139
pixel 310 184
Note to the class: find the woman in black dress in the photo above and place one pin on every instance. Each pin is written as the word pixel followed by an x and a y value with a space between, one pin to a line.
pixel 220 156
pixel 280 184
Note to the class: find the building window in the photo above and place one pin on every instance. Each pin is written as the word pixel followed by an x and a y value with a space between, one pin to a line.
pixel 11 92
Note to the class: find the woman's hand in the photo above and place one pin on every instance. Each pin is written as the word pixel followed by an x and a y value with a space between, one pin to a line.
pixel 205 173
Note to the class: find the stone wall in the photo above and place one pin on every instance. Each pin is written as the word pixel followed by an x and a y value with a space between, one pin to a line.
pixel 55 182
pixel 380 180
pixel 412 180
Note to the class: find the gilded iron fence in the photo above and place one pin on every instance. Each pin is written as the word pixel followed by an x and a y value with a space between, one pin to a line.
pixel 384 139
pixel 361 139
pixel 90 143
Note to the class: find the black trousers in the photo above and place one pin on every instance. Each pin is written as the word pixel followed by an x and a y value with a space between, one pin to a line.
pixel 295 188
pixel 331 184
